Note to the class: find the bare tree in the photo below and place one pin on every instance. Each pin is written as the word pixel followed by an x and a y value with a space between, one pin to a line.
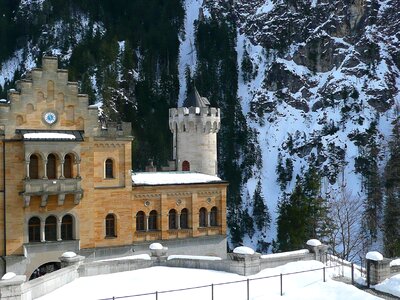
pixel 345 238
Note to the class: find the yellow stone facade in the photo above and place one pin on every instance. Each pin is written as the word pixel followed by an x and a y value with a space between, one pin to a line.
pixel 58 164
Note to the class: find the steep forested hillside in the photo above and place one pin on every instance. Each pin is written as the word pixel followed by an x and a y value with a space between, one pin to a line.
pixel 309 94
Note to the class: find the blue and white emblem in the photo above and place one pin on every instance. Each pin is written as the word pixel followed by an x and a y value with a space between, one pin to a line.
pixel 50 118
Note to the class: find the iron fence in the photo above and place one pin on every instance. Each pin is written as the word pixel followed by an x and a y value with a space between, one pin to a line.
pixel 211 287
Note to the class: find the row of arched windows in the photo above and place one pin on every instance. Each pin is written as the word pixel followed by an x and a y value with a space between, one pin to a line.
pixel 49 167
pixel 51 229
pixel 175 220
pixel 48 230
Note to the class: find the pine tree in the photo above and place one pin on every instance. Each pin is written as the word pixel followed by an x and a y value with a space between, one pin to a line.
pixel 261 215
pixel 391 224
pixel 247 66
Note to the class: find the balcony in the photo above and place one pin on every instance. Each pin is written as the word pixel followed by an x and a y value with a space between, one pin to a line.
pixel 46 187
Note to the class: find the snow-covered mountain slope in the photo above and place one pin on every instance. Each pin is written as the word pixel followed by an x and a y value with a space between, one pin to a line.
pixel 321 73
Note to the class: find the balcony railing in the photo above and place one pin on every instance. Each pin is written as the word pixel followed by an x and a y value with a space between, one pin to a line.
pixel 46 187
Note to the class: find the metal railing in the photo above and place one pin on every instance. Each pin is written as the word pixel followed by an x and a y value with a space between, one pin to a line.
pixel 211 287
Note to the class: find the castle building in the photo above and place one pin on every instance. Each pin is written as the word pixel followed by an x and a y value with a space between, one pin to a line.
pixel 67 185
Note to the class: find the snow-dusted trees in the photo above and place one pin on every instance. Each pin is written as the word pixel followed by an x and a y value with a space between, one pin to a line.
pixel 345 238
pixel 303 214
pixel 261 215
pixel 391 223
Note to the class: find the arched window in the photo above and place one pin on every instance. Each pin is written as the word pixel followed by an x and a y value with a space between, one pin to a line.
pixel 109 168
pixel 67 227
pixel 172 219
pixel 34 167
pixel 110 226
pixel 51 166
pixel 153 220
pixel 34 229
pixel 140 217
pixel 185 166
pixel 214 216
pixel 68 166
pixel 184 218
pixel 203 217
pixel 50 228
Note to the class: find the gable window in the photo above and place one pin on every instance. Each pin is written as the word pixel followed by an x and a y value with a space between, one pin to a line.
pixel 67 228
pixel 185 166
pixel 140 221
pixel 203 217
pixel 153 220
pixel 184 218
pixel 68 166
pixel 172 219
pixel 109 168
pixel 213 216
pixel 110 226
pixel 34 229
pixel 34 167
pixel 51 166
pixel 50 228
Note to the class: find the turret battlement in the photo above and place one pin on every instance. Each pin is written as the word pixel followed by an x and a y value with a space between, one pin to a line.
pixel 203 120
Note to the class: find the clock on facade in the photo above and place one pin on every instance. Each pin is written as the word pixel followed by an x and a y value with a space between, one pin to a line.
pixel 50 117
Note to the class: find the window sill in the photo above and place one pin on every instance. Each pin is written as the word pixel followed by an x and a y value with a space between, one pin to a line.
pixel 110 237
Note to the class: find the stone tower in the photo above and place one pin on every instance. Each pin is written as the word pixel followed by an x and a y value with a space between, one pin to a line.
pixel 194 127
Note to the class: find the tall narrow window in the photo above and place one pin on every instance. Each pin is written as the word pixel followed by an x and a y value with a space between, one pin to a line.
pixel 34 167
pixel 184 218
pixel 68 165
pixel 153 220
pixel 109 168
pixel 51 166
pixel 185 166
pixel 203 217
pixel 67 228
pixel 172 219
pixel 50 229
pixel 34 229
pixel 140 221
pixel 110 226
pixel 214 216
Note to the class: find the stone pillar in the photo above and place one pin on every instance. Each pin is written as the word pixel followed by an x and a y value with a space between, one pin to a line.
pixel 147 223
pixel 62 169
pixel 378 268
pixel 45 169
pixel 28 175
pixel 12 288
pixel 70 258
pixel 178 221
pixel 59 223
pixel 244 261
pixel 42 233
pixel 208 218
pixel 319 250
pixel 78 168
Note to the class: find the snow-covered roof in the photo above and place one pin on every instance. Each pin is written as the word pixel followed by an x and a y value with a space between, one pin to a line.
pixel 165 178
pixel 49 136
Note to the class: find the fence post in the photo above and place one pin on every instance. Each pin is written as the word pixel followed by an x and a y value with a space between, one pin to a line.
pixel 156 295
pixel 281 284
pixel 324 273
pixel 248 289
pixel 212 291
pixel 352 273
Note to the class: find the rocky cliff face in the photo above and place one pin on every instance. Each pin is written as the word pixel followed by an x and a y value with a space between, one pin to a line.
pixel 323 75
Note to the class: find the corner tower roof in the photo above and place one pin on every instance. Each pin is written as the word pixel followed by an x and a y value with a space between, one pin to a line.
pixel 195 100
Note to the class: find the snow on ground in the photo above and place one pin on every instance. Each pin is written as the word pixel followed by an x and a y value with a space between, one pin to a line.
pixel 390 286
pixel 307 285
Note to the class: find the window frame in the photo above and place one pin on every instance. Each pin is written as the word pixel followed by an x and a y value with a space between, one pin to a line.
pixel 110 226
pixel 153 220
pixel 184 219
pixel 140 221
pixel 34 230
pixel 50 229
pixel 203 217
pixel 172 221
pixel 67 228
pixel 214 216
pixel 109 168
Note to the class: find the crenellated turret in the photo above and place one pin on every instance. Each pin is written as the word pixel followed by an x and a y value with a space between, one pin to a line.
pixel 195 129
